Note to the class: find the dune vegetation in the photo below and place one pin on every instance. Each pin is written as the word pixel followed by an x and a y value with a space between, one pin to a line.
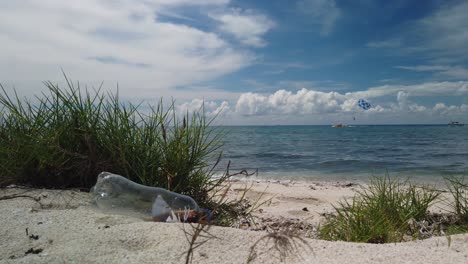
pixel 65 137
pixel 392 210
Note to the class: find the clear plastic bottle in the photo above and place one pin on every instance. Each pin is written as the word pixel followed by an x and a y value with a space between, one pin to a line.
pixel 116 194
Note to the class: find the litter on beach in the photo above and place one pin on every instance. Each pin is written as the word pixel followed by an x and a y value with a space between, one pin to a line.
pixel 118 195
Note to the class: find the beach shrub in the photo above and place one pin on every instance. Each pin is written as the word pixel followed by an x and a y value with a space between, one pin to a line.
pixel 380 213
pixel 65 137
pixel 458 188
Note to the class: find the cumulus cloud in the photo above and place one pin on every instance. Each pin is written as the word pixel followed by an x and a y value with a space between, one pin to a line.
pixel 105 40
pixel 397 104
pixel 306 101
pixel 405 104
pixel 323 12
pixel 209 108
pixel 302 102
pixel 402 98
pixel 286 102
pixel 450 110
pixel 245 25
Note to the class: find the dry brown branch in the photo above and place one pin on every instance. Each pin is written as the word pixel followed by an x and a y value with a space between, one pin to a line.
pixel 200 230
pixel 199 233
pixel 25 192
pixel 14 196
pixel 52 199
pixel 227 175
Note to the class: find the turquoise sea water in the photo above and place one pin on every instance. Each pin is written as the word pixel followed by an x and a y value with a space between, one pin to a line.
pixel 421 152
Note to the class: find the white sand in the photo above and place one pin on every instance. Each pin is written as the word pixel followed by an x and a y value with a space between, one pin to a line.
pixel 69 230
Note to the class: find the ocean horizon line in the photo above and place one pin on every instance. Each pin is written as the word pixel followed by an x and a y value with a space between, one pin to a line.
pixel 349 125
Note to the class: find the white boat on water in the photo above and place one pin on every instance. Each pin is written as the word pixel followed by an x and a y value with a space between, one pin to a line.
pixel 455 123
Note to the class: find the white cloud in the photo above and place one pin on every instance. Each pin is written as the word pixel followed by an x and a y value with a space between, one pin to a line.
pixel 245 25
pixel 307 101
pixel 402 98
pixel 286 102
pixel 424 89
pixel 456 72
pixel 391 43
pixel 96 40
pixel 447 29
pixel 189 2
pixel 390 104
pixel 440 37
pixel 439 107
pixel 210 108
pixel 404 104
pixel 323 12
pixel 451 110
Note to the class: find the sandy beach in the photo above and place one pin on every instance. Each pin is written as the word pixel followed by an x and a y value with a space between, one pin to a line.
pixel 63 227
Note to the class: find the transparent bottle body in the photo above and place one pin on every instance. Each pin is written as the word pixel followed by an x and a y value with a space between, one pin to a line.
pixel 118 195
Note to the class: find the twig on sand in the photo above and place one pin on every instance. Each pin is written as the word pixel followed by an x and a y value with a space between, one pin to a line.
pixel 63 198
pixel 218 196
pixel 199 230
pixel 285 243
pixel 14 196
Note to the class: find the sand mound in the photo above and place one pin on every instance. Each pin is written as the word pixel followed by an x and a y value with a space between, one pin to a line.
pixel 63 228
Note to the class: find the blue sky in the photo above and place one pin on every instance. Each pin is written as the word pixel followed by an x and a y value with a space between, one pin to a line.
pixel 259 62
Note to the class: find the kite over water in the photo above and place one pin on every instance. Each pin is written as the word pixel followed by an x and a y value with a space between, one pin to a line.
pixel 363 104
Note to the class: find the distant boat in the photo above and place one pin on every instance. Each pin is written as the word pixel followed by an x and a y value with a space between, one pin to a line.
pixel 339 125
pixel 455 123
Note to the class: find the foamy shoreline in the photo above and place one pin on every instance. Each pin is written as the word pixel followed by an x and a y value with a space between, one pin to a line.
pixel 69 230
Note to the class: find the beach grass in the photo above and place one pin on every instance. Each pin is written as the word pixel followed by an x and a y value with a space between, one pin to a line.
pixel 65 137
pixel 380 213
pixel 458 204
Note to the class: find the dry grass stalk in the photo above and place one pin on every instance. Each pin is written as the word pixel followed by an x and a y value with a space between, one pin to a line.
pixel 200 230
pixel 286 244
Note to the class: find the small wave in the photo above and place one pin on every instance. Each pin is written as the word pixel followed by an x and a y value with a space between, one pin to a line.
pixel 447 155
pixel 339 162
pixel 281 156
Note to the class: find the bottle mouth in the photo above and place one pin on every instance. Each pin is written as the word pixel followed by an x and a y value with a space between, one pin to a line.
pixel 195 216
pixel 206 214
